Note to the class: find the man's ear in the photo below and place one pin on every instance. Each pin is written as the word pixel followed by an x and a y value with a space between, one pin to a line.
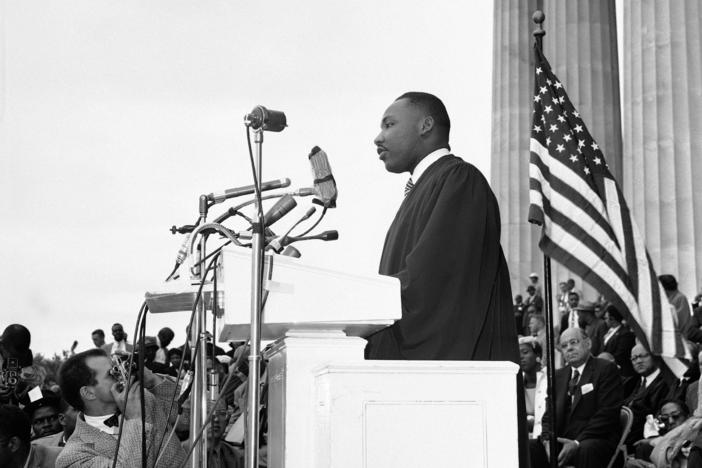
pixel 62 419
pixel 87 393
pixel 427 125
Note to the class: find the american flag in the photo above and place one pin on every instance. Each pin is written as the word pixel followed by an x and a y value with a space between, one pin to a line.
pixel 587 226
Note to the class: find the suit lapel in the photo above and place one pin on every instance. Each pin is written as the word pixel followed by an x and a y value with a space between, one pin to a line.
pixel 586 377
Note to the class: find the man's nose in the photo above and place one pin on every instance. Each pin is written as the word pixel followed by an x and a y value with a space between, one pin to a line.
pixel 378 139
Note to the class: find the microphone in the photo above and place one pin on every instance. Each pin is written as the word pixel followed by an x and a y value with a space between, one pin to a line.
pixel 324 182
pixel 269 120
pixel 219 197
pixel 291 251
pixel 280 209
pixel 323 236
pixel 277 243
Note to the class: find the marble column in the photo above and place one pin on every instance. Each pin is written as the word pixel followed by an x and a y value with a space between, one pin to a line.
pixel 662 127
pixel 512 83
pixel 581 46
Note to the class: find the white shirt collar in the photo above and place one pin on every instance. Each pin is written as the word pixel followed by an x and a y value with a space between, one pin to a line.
pixel 98 422
pixel 427 161
pixel 651 377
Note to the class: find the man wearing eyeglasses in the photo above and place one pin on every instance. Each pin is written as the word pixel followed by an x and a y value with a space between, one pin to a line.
pixel 587 396
pixel 649 393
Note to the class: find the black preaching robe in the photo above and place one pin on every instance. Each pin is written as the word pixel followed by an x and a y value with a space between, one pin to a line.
pixel 444 246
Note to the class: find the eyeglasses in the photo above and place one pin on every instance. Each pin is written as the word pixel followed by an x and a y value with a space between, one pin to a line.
pixel 666 417
pixel 639 356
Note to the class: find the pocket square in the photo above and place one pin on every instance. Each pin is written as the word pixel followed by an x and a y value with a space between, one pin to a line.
pixel 587 388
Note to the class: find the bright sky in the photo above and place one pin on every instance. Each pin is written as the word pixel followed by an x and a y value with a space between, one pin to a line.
pixel 116 116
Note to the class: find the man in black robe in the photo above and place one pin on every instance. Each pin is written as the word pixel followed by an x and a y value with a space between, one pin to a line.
pixel 443 245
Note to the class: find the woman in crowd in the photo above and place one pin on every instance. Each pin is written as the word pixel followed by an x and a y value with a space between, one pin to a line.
pixel 530 354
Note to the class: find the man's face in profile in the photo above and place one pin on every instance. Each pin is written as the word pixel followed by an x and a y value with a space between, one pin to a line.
pixel 399 137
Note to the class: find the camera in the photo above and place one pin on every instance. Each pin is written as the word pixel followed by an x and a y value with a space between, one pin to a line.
pixel 121 371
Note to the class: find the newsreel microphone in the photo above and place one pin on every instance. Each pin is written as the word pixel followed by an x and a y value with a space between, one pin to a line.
pixel 219 197
pixel 280 209
pixel 324 181
pixel 268 120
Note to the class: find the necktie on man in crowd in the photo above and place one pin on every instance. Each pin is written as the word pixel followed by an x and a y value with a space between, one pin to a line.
pixel 587 226
pixel 409 186
pixel 573 383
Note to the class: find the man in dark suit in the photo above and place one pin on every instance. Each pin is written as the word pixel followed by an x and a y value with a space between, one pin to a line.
pixel 588 396
pixel 618 340
pixel 649 393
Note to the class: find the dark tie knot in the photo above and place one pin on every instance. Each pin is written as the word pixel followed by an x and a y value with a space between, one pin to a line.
pixel 409 186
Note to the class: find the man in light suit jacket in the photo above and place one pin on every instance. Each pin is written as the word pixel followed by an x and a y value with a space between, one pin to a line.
pixel 120 345
pixel 87 385
pixel 588 396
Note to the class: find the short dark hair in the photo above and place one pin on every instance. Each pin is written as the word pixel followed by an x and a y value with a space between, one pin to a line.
pixel 15 423
pixel 681 404
pixel 174 351
pixel 433 106
pixel 614 313
pixel 669 282
pixel 165 336
pixel 573 293
pixel 75 374
pixel 99 331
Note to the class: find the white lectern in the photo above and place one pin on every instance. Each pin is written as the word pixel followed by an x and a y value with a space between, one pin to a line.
pixel 328 407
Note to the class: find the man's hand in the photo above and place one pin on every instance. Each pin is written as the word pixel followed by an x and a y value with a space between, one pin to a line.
pixel 568 450
pixel 128 404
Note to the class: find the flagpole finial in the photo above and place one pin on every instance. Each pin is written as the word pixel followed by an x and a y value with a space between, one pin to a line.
pixel 539 32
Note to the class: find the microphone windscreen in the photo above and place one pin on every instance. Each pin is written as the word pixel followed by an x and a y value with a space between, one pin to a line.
pixel 324 181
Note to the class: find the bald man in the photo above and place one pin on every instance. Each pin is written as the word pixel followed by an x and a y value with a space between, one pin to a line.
pixel 588 396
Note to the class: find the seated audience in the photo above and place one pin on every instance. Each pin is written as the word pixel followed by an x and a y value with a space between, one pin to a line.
pixel 671 415
pixel 533 299
pixel 570 317
pixel 150 351
pixel 519 315
pixel 87 384
pixel 618 340
pixel 537 329
pixel 44 414
pixel 16 449
pixel 587 398
pixel 67 419
pixel 647 395
pixel 594 327
pixel 530 353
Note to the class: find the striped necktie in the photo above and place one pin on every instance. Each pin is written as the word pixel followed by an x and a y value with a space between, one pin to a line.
pixel 409 186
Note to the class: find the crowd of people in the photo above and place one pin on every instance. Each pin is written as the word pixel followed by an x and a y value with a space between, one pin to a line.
pixel 604 377
pixel 80 414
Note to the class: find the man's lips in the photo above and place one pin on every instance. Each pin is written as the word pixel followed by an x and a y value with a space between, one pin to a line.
pixel 381 151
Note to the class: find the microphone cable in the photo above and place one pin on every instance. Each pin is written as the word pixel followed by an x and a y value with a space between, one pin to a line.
pixel 198 298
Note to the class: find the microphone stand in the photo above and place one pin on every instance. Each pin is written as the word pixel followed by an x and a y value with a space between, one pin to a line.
pixel 198 333
pixel 257 254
